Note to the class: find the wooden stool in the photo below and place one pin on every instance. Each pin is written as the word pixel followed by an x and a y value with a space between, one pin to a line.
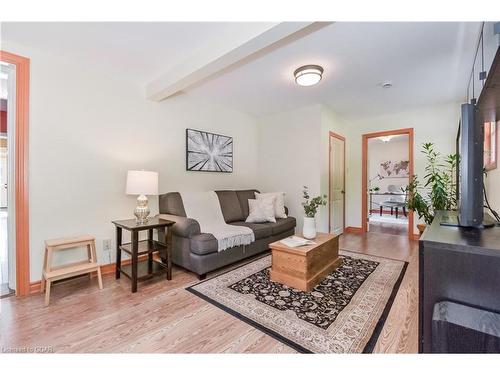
pixel 50 274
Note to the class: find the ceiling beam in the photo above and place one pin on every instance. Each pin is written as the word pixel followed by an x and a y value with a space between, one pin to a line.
pixel 225 55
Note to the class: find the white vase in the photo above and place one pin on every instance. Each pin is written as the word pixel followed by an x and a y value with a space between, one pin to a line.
pixel 309 229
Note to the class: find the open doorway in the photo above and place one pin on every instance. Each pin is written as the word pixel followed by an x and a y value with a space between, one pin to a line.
pixel 387 171
pixel 7 112
pixel 15 90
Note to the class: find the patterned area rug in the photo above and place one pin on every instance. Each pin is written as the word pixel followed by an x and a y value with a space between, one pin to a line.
pixel 343 314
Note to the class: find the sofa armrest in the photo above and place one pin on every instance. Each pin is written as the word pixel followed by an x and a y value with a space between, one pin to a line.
pixel 184 226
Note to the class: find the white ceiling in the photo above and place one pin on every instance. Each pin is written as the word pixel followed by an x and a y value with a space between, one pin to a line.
pixel 426 62
pixel 137 52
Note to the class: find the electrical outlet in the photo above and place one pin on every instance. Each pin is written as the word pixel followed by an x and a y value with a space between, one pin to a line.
pixel 106 245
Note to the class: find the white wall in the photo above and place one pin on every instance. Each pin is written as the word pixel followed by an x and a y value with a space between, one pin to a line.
pixel 330 121
pixel 294 152
pixel 436 124
pixel 87 130
pixel 289 155
pixel 378 152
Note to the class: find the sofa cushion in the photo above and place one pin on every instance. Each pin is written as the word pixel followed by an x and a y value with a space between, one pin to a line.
pixel 204 243
pixel 261 210
pixel 260 230
pixel 279 203
pixel 171 203
pixel 230 205
pixel 244 196
pixel 183 227
pixel 282 225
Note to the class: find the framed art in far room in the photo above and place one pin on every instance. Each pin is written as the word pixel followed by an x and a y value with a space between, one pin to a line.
pixel 394 169
pixel 208 152
pixel 490 145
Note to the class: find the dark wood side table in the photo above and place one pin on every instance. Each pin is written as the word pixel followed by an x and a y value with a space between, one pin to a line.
pixel 137 271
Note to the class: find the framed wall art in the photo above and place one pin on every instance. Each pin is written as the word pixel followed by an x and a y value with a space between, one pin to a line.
pixel 208 152
pixel 394 169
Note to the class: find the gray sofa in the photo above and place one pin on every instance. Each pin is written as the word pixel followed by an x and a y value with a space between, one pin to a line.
pixel 197 251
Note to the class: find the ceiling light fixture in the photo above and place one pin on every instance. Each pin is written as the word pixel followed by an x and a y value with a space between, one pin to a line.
pixel 308 75
pixel 386 139
pixel 386 85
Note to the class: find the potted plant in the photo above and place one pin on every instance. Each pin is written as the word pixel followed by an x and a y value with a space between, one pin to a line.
pixel 311 208
pixel 437 190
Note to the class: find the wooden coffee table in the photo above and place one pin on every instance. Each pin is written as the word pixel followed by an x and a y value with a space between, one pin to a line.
pixel 304 267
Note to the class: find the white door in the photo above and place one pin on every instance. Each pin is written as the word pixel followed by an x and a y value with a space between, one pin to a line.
pixel 337 185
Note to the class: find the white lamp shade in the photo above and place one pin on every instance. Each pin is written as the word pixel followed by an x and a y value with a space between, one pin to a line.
pixel 142 182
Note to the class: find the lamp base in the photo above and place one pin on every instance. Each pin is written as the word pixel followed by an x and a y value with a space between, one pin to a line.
pixel 142 211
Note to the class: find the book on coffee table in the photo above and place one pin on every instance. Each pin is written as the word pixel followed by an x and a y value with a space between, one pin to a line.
pixel 295 241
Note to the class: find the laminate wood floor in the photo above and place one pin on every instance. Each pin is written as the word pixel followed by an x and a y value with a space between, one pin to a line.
pixel 164 318
pixel 389 228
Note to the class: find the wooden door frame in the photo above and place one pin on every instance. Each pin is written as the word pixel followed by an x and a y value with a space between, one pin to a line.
pixel 364 171
pixel 330 136
pixel 21 170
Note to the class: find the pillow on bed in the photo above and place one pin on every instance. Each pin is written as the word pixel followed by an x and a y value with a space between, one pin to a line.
pixel 279 203
pixel 261 210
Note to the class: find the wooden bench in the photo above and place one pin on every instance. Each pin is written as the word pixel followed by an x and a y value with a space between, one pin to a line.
pixel 51 274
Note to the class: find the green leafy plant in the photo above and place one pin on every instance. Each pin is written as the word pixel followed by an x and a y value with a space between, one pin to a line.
pixel 311 204
pixel 437 191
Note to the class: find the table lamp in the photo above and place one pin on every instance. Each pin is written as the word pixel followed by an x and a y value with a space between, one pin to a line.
pixel 142 183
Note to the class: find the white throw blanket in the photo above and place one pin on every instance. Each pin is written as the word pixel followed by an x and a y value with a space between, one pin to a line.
pixel 205 209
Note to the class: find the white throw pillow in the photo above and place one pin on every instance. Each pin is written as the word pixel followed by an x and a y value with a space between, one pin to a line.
pixel 279 203
pixel 261 210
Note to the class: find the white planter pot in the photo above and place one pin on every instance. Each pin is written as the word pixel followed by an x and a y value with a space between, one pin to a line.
pixel 309 229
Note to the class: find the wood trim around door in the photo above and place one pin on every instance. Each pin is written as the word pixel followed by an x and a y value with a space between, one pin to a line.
pixel 21 170
pixel 364 172
pixel 338 136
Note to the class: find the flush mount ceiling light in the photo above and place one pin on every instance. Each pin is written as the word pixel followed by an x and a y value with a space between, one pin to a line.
pixel 308 75
pixel 386 139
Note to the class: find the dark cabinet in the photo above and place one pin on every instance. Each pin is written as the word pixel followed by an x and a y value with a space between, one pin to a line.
pixel 459 265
